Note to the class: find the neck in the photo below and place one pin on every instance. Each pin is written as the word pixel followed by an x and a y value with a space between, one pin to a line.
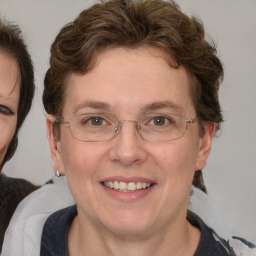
pixel 179 240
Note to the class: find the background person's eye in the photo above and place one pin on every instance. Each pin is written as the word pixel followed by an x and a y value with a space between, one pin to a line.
pixel 4 110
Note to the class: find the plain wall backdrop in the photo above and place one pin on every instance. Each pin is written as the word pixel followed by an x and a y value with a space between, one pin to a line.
pixel 230 173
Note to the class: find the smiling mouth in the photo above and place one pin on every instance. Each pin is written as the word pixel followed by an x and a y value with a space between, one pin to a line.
pixel 127 186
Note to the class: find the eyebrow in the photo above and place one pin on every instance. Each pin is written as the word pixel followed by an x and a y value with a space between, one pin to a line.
pixel 147 108
pixel 162 105
pixel 92 104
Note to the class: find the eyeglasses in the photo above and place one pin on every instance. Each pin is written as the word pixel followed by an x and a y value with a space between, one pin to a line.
pixel 93 127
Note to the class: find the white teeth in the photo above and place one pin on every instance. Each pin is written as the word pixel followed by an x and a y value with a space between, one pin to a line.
pixel 123 186
pixel 139 185
pixel 111 184
pixel 126 187
pixel 116 185
pixel 132 186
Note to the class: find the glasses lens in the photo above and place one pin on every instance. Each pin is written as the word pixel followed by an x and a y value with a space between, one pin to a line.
pixel 162 127
pixel 93 127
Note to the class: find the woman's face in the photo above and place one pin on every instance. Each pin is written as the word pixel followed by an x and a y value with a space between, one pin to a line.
pixel 128 83
pixel 9 100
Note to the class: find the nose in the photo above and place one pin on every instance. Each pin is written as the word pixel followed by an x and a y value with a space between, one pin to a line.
pixel 128 146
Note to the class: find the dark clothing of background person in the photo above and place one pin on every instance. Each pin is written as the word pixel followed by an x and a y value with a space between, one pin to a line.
pixel 12 191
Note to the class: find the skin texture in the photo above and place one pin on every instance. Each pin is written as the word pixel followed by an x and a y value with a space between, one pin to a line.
pixel 126 81
pixel 9 100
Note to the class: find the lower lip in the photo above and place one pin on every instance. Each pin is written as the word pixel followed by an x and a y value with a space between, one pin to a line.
pixel 128 196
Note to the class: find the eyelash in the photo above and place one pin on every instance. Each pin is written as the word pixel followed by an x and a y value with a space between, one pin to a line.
pixel 5 111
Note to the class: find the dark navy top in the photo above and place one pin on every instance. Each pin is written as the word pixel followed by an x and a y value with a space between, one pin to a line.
pixel 55 233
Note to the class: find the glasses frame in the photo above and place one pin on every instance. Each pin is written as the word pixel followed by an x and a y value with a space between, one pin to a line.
pixel 118 127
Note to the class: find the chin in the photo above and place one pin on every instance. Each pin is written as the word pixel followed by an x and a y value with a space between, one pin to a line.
pixel 129 230
pixel 125 224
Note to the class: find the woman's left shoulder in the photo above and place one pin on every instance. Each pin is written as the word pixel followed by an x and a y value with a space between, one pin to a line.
pixel 212 244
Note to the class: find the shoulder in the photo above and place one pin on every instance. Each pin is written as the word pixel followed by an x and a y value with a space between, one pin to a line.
pixel 55 231
pixel 62 217
pixel 211 243
pixel 23 236
pixel 216 232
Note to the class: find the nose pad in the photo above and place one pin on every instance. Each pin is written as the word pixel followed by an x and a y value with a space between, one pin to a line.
pixel 117 129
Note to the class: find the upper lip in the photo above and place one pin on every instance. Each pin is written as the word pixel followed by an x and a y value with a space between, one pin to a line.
pixel 127 179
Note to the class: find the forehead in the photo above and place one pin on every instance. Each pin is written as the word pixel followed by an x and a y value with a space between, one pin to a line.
pixel 9 74
pixel 130 77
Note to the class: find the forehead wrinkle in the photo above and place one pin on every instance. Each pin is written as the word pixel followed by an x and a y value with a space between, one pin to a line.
pixel 8 94
pixel 10 74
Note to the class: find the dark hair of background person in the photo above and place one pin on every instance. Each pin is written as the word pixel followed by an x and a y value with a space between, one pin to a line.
pixel 134 24
pixel 12 43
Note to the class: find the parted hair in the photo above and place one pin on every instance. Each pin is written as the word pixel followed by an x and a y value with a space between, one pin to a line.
pixel 12 43
pixel 133 24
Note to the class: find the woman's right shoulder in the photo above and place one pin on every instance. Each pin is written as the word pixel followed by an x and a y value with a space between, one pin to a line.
pixel 23 235
pixel 54 235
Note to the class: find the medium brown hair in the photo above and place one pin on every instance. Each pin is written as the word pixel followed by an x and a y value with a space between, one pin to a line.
pixel 133 24
pixel 12 43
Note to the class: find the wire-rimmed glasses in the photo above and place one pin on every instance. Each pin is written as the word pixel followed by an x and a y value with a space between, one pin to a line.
pixel 95 127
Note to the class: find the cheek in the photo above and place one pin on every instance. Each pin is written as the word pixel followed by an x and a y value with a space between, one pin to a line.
pixel 79 169
pixel 82 160
pixel 2 154
pixel 77 160
pixel 83 163
pixel 176 160
pixel 7 129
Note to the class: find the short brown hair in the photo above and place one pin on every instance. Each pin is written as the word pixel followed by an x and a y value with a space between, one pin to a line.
pixel 137 23
pixel 12 43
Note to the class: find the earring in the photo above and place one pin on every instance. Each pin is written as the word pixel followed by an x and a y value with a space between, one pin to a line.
pixel 57 173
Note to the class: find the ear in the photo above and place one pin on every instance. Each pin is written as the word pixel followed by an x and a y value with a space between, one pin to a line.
pixel 54 145
pixel 205 146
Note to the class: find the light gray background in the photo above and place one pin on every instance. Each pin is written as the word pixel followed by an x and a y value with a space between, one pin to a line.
pixel 230 173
